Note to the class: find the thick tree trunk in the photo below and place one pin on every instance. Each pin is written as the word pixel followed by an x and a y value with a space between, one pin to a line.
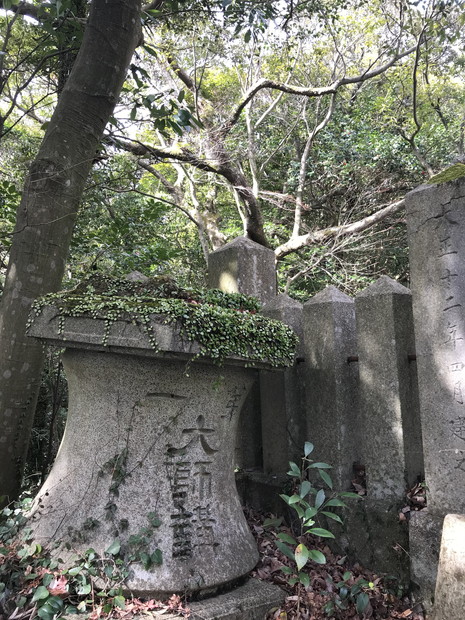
pixel 47 214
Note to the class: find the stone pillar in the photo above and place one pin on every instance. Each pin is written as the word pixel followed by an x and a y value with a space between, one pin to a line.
pixel 436 231
pixel 283 420
pixel 331 382
pixel 390 431
pixel 389 411
pixel 243 266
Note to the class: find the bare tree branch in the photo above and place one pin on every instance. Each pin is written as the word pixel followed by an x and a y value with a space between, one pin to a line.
pixel 319 236
pixel 311 91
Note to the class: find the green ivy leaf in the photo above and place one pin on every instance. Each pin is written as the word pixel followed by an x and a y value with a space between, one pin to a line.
pixel 363 600
pixel 40 594
pixel 114 548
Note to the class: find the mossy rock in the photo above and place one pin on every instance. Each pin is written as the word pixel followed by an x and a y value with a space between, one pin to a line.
pixel 456 171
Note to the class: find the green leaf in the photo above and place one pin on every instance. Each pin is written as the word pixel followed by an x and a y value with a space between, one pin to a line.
pixel 40 594
pixel 287 538
pixel 120 602
pixel 320 531
pixel 308 448
pixel 301 556
pixel 320 466
pixel 350 494
pixel 335 502
pixel 285 549
pixel 332 516
pixel 157 557
pixel 305 488
pixel 326 478
pixel 114 548
pixel 294 499
pixel 310 512
pixel 84 589
pixel 347 575
pixel 294 471
pixel 47 579
pixel 363 600
pixel 317 556
pixel 287 570
pixel 304 579
pixel 320 498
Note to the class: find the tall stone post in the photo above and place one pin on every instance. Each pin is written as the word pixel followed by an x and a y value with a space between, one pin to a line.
pixel 283 419
pixel 390 430
pixel 436 230
pixel 243 266
pixel 331 382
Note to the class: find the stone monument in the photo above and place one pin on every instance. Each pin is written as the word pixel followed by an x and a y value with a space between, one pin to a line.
pixel 436 221
pixel 147 457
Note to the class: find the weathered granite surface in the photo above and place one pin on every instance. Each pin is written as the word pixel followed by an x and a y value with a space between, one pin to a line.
pixel 148 441
pixel 389 410
pixel 435 223
pixel 243 266
pixel 449 600
pixel 331 383
pixel 282 396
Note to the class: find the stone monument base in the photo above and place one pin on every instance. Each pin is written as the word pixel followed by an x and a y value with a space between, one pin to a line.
pixel 250 601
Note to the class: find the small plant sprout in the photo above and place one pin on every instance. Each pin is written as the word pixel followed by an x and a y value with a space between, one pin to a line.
pixel 308 502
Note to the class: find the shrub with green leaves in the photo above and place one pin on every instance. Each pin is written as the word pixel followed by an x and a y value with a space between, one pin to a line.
pixel 309 501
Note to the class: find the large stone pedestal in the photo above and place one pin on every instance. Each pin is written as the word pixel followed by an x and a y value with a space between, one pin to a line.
pixel 148 452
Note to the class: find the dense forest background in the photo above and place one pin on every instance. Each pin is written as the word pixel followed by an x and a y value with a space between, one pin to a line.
pixel 300 124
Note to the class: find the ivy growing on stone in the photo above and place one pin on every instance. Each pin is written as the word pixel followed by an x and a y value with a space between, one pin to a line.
pixel 223 324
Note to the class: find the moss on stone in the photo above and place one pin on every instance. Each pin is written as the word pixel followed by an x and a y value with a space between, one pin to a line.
pixel 224 324
pixel 449 174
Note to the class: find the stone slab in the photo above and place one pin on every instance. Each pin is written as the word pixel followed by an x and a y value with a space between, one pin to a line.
pixel 436 224
pixel 124 337
pixel 248 602
pixel 373 535
pixel 449 600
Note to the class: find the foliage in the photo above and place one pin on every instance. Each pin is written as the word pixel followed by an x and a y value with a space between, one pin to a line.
pixel 33 583
pixel 223 324
pixel 309 502
pixel 347 592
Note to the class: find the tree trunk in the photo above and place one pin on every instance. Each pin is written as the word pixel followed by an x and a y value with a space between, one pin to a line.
pixel 47 214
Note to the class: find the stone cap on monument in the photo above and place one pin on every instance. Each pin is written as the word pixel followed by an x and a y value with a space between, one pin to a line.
pixel 162 322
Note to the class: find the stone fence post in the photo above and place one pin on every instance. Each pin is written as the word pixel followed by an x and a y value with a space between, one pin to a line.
pixel 331 382
pixel 389 424
pixel 283 419
pixel 243 266
pixel 436 230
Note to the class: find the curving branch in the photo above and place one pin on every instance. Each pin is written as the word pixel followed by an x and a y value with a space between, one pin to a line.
pixel 319 236
pixel 309 91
